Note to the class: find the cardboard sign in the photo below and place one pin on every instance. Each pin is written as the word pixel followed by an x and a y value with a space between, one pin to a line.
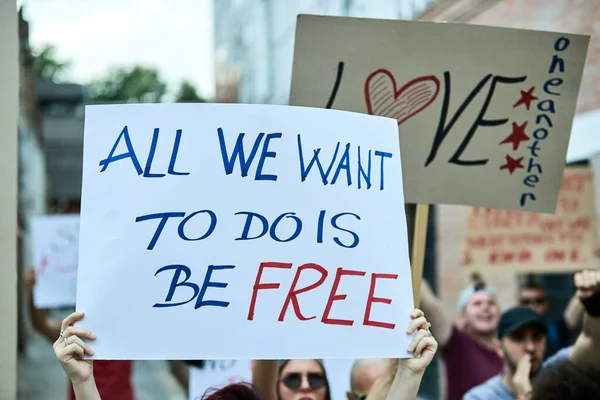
pixel 55 245
pixel 484 114
pixel 530 242
pixel 216 374
pixel 217 226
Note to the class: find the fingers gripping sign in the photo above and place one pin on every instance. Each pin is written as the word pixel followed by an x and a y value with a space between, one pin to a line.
pixel 423 346
pixel 70 349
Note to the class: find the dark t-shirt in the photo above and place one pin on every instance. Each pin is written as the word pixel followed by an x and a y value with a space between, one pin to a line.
pixel 113 379
pixel 468 364
pixel 558 337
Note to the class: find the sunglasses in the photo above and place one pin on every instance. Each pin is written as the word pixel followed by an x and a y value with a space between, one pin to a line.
pixel 535 300
pixel 293 380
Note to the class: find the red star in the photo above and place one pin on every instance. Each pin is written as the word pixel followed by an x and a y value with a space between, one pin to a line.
pixel 517 136
pixel 512 164
pixel 526 98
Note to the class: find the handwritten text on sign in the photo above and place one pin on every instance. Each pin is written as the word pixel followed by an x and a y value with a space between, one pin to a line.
pixel 503 239
pixel 55 245
pixel 284 223
pixel 484 113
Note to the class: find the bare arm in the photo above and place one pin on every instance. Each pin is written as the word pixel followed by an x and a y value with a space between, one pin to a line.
pixel 402 378
pixel 573 313
pixel 587 346
pixel 264 377
pixel 441 325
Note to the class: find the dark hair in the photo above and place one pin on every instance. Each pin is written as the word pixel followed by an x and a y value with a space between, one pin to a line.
pixel 235 391
pixel 566 380
pixel 283 363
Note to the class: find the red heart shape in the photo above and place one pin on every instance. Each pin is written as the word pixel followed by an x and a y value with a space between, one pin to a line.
pixel 384 100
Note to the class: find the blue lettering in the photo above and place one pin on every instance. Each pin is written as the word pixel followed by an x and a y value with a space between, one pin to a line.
pixel 557 61
pixel 175 283
pixel 171 170
pixel 547 118
pixel 540 133
pixel 382 155
pixel 200 302
pixel 163 220
pixel 343 164
pixel 250 216
pixel 238 152
pixel 552 82
pixel 320 226
pixel 533 165
pixel 147 173
pixel 550 106
pixel 524 197
pixel 561 44
pixel 304 171
pixel 259 175
pixel 276 222
pixel 130 153
pixel 211 228
pixel 534 147
pixel 361 171
pixel 355 237
pixel 531 180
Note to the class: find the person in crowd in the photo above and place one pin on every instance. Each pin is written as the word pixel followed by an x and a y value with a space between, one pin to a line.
pixel 363 375
pixel 534 296
pixel 113 377
pixel 569 374
pixel 468 348
pixel 522 338
pixel 574 372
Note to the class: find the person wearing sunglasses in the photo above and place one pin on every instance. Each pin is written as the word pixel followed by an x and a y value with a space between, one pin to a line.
pixel 302 380
pixel 399 380
pixel 559 332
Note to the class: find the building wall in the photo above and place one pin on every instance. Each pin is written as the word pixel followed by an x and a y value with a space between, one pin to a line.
pixel 257 36
pixel 9 100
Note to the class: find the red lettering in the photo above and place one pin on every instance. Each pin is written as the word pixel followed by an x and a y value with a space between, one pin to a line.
pixel 333 296
pixel 508 257
pixel 574 254
pixel 372 299
pixel 524 256
pixel 555 255
pixel 258 285
pixel 293 293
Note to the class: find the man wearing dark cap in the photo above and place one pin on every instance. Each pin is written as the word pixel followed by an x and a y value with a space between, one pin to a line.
pixel 521 344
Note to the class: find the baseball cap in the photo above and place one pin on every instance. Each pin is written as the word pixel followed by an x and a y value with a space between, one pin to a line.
pixel 466 294
pixel 518 317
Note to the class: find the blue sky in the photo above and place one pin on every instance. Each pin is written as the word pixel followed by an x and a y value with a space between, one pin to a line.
pixel 175 36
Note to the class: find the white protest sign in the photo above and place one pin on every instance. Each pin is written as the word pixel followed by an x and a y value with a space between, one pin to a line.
pixel 484 113
pixel 227 231
pixel 55 245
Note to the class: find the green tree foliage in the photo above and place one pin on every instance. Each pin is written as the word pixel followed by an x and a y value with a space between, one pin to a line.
pixel 187 94
pixel 130 85
pixel 47 67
